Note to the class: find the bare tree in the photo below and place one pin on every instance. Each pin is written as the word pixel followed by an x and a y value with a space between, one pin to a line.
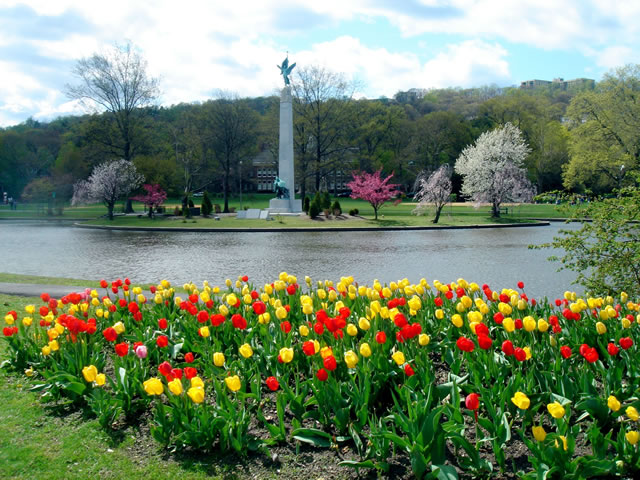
pixel 233 129
pixel 320 117
pixel 107 183
pixel 433 189
pixel 115 82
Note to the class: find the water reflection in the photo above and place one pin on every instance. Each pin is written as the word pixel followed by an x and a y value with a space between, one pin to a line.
pixel 499 257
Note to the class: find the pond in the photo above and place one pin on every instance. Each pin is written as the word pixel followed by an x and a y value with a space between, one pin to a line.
pixel 498 257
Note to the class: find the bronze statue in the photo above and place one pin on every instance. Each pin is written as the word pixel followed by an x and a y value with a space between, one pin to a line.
pixel 279 186
pixel 285 70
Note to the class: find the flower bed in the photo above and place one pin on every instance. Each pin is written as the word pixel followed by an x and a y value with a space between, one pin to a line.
pixel 457 377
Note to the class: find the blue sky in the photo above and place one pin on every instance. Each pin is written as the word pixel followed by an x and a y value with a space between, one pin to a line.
pixel 199 47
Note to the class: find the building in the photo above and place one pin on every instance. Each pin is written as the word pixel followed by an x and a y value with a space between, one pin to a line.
pixel 577 83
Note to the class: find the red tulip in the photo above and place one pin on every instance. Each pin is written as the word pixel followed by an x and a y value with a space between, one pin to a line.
pixel 465 344
pixel 565 351
pixel 122 349
pixel 330 363
pixel 408 371
pixel 110 334
pixel 612 349
pixel 520 354
pixel 507 348
pixel 162 341
pixel 190 372
pixel 472 402
pixel 188 357
pixel 272 383
pixel 381 337
pixel 322 375
pixel 484 342
pixel 626 343
pixel 259 307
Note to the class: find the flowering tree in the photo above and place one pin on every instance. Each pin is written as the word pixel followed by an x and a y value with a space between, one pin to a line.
pixel 372 188
pixel 107 183
pixel 492 169
pixel 434 189
pixel 153 198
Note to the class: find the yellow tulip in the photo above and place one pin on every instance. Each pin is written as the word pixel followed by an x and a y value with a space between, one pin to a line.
pixel 196 382
pixel 204 332
pixel 365 350
pixel 351 359
pixel 632 413
pixel 364 324
pixel 564 442
pixel 352 330
pixel 30 309
pixel 613 403
pixel 632 437
pixel 325 352
pixel 29 372
pixel 415 303
pixel 508 324
pixel 556 410
pixel 196 394
pixel 303 330
pixel 26 321
pixel 424 339
pixel 90 372
pixel 601 328
pixel 521 400
pixel 456 320
pixel 286 354
pixel 398 357
pixel 53 344
pixel 119 327
pixel 46 350
pixel 175 387
pixel 529 323
pixel 307 309
pixel 153 386
pixel 233 383
pixel 245 350
pixel 8 318
pixel 539 434
pixel 543 326
pixel 218 359
pixel 100 379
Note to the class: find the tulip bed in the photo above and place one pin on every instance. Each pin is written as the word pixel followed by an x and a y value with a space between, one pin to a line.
pixel 459 379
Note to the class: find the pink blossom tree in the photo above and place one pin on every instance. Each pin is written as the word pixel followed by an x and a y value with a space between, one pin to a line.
pixel 372 188
pixel 153 198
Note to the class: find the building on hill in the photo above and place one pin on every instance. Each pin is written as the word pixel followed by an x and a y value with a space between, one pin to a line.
pixel 559 82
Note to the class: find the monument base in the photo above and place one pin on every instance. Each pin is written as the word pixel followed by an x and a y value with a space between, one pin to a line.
pixel 285 205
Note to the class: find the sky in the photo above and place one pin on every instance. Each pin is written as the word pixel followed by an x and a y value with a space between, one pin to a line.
pixel 198 47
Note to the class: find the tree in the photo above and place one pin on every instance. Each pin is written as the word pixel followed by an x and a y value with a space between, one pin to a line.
pixel 233 133
pixel 372 188
pixel 434 189
pixel 605 251
pixel 319 120
pixel 108 182
pixel 603 127
pixel 206 205
pixel 492 168
pixel 116 82
pixel 154 197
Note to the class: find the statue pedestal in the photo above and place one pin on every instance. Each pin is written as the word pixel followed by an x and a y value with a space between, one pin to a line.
pixel 285 205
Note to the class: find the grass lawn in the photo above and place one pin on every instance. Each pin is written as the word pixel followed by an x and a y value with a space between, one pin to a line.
pixel 35 279
pixel 389 214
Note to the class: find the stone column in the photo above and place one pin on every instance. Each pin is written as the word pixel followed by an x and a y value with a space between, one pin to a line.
pixel 285 157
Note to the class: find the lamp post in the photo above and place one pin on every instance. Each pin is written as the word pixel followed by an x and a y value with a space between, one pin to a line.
pixel 240 184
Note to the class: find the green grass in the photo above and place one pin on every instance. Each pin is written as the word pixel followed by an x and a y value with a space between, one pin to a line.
pixel 35 279
pixel 450 213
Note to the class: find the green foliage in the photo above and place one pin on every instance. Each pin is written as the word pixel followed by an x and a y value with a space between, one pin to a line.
pixel 325 202
pixel 206 206
pixel 605 251
pixel 354 211
pixel 314 208
pixel 306 204
pixel 336 209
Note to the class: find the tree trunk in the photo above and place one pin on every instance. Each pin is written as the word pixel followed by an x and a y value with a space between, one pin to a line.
pixel 129 206
pixel 495 210
pixel 110 211
pixel 150 212
pixel 375 212
pixel 225 190
pixel 438 210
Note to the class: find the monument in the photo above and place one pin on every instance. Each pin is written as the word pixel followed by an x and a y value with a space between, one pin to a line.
pixel 284 185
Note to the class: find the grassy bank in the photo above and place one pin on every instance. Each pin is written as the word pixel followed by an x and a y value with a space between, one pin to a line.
pixel 36 279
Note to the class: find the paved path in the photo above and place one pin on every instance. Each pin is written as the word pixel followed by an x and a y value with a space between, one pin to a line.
pixel 35 289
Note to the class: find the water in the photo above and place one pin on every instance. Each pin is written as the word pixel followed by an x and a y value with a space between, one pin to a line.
pixel 498 257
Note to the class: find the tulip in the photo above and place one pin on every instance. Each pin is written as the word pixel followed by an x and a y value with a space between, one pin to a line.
pixel 141 351
pixel 556 410
pixel 632 413
pixel 632 437
pixel 90 372
pixel 352 330
pixel 153 386
pixel 472 401
pixel 100 379
pixel 351 359
pixel 233 383
pixel 330 363
pixel 564 442
pixel 218 359
pixel 601 328
pixel 398 357
pixel 286 354
pixel 175 386
pixel 196 394
pixel 272 383
pixel 322 375
pixel 613 403
pixel 521 400
pixel 424 339
pixel 365 350
pixel 119 327
pixel 303 330
pixel 538 433
pixel 245 350
pixel 381 337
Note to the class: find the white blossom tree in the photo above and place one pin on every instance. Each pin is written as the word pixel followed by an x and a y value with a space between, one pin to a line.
pixel 434 189
pixel 493 168
pixel 107 183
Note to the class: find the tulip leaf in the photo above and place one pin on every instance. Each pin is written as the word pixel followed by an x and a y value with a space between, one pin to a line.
pixel 176 349
pixel 313 436
pixel 356 464
pixel 560 399
pixel 444 472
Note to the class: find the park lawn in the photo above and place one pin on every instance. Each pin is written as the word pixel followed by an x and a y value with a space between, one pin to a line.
pixel 261 201
pixel 36 279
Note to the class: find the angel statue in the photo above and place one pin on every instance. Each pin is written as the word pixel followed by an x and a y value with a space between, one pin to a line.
pixel 285 69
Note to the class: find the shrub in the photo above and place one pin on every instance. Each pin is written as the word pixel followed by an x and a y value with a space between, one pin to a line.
pixel 336 208
pixel 314 209
pixel 354 211
pixel 206 206
pixel 326 200
pixel 306 203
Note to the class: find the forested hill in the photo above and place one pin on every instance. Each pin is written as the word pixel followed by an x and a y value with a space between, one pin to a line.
pixel 578 137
